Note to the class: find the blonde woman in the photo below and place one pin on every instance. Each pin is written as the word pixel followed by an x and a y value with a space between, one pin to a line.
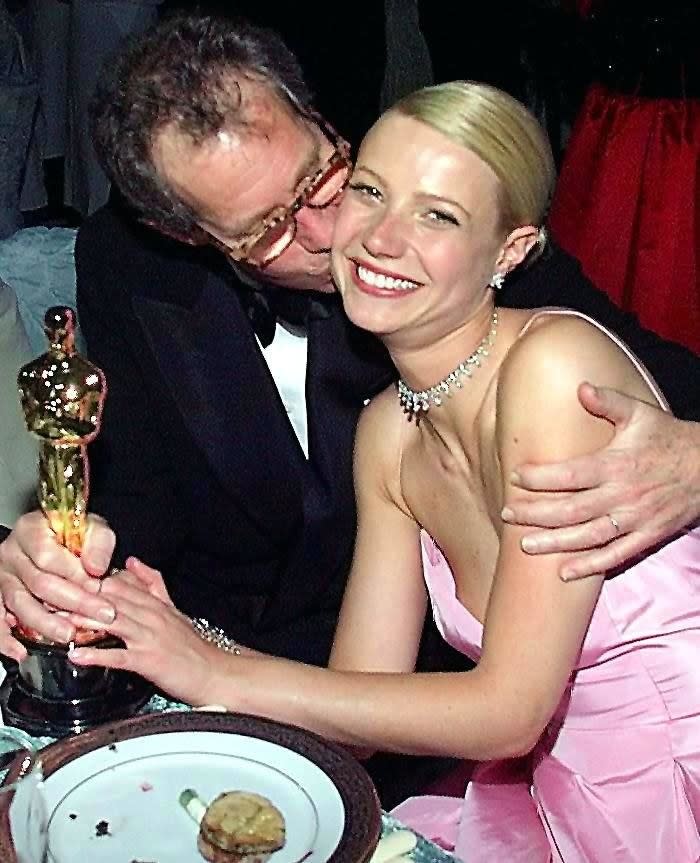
pixel 584 703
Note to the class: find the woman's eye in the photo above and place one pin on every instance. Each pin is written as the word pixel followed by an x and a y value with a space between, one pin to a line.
pixel 365 190
pixel 442 217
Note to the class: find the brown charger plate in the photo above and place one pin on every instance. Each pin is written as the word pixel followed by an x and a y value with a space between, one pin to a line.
pixel 362 819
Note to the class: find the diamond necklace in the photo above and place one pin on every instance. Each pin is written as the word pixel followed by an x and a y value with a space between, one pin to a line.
pixel 414 403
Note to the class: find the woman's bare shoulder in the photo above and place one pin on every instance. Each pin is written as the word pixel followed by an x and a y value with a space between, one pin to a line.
pixel 538 413
pixel 565 349
pixel 381 421
pixel 379 446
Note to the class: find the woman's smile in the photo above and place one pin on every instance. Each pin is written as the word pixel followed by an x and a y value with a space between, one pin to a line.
pixel 381 283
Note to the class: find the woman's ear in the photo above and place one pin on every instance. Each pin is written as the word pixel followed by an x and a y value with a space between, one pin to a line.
pixel 516 247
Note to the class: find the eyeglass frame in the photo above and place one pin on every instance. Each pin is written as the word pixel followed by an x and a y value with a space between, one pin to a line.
pixel 341 153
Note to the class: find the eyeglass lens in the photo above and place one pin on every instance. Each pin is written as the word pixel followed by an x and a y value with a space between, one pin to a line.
pixel 280 234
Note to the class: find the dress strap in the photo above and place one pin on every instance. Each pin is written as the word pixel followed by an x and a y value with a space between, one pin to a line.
pixel 634 359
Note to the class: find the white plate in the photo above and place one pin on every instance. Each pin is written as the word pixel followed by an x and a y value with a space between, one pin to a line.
pixel 117 802
pixel 121 802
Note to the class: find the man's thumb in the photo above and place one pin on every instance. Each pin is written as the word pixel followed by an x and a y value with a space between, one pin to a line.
pixel 607 403
pixel 98 546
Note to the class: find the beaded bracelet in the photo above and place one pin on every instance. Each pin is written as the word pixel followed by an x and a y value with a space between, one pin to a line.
pixel 214 635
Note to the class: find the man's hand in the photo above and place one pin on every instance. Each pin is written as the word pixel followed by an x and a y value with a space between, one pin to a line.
pixel 34 568
pixel 638 491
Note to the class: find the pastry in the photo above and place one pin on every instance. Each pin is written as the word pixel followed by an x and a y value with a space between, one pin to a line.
pixel 240 827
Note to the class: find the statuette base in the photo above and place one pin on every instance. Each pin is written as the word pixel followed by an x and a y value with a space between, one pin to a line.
pixel 49 696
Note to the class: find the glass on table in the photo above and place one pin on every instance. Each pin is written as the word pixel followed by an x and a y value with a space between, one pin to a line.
pixel 22 796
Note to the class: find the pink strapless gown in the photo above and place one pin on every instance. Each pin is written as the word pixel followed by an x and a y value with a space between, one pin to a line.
pixel 616 774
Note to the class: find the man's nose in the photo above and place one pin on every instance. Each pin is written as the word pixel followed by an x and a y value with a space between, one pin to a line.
pixel 315 227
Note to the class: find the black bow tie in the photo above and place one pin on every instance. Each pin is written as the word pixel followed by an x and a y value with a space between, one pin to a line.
pixel 266 306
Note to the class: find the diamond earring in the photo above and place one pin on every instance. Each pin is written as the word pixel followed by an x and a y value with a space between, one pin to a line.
pixel 497 280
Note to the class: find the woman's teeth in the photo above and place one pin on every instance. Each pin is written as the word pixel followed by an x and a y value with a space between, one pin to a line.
pixel 387 283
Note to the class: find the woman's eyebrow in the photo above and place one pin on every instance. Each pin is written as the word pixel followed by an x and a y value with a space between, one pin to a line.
pixel 428 196
pixel 424 196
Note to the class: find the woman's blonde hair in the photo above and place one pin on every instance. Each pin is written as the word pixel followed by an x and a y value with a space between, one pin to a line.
pixel 502 133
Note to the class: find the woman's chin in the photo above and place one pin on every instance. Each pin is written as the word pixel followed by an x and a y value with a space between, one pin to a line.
pixel 366 318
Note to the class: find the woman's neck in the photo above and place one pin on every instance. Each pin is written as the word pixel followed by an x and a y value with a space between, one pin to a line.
pixel 424 361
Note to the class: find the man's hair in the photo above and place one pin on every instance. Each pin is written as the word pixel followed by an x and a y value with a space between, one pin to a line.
pixel 183 72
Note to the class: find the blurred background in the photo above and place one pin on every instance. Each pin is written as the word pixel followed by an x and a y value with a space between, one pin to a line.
pixel 616 83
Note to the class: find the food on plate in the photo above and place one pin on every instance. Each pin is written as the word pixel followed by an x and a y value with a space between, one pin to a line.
pixel 236 827
pixel 394 846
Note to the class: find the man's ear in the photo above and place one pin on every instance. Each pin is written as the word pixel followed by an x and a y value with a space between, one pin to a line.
pixel 196 238
pixel 516 247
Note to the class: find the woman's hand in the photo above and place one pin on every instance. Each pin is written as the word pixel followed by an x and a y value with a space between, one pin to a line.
pixel 150 579
pixel 161 644
pixel 635 493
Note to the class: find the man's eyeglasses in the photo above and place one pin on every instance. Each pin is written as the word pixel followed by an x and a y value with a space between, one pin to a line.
pixel 274 234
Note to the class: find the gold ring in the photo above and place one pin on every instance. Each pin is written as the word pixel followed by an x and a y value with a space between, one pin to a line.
pixel 615 523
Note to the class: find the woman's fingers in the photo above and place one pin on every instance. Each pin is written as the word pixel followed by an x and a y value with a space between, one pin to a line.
pixel 123 585
pixel 160 645
pixel 140 619
pixel 116 657
pixel 150 578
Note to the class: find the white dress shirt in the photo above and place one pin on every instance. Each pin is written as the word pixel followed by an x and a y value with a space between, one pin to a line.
pixel 286 358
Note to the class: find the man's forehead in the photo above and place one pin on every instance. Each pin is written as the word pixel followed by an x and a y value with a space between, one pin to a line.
pixel 220 176
pixel 262 108
pixel 260 113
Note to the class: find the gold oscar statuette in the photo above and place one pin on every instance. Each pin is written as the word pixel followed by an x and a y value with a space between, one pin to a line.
pixel 62 397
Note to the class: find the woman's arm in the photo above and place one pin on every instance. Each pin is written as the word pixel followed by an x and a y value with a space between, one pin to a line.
pixel 650 470
pixel 384 605
pixel 381 619
pixel 534 624
pixel 650 467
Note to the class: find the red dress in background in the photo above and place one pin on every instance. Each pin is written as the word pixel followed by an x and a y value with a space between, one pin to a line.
pixel 627 203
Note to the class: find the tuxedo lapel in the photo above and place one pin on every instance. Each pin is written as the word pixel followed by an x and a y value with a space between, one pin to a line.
pixel 345 368
pixel 219 380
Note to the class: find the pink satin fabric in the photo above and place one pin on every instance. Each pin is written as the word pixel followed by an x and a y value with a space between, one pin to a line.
pixel 616 775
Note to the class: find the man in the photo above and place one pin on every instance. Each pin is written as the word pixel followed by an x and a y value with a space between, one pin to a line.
pixel 225 461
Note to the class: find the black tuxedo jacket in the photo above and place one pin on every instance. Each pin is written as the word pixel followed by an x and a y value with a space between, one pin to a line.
pixel 197 467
